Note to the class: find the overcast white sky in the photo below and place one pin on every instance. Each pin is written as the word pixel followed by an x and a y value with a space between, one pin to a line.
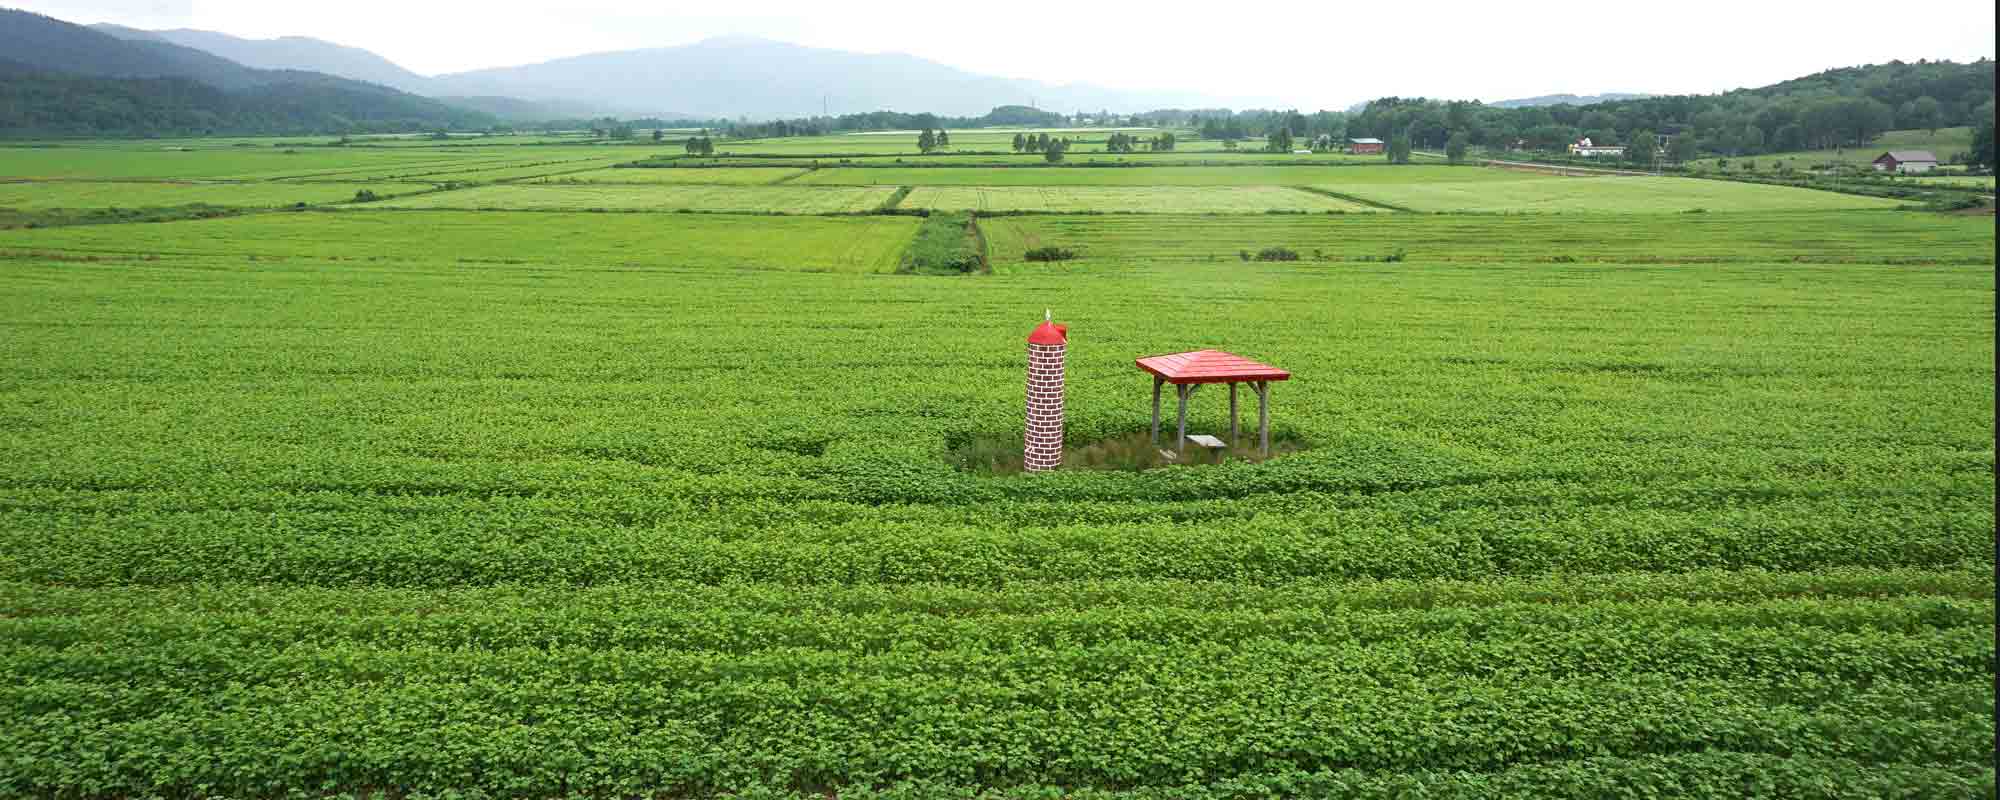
pixel 1308 54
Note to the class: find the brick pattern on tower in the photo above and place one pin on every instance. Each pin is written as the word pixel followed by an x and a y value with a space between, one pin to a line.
pixel 1047 349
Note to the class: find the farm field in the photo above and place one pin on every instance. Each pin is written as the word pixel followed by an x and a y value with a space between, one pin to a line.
pixel 1966 181
pixel 1602 195
pixel 80 194
pixel 169 164
pixel 500 497
pixel 1136 199
pixel 1880 237
pixel 572 241
pixel 664 197
pixel 1944 144
pixel 724 175
pixel 1147 176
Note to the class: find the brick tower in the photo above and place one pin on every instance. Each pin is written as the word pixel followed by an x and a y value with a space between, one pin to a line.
pixel 1047 347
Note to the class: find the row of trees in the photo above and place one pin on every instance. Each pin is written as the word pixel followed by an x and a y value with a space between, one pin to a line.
pixel 1126 143
pixel 928 141
pixel 1038 143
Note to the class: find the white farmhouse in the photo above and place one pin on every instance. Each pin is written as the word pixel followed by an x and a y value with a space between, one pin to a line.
pixel 1583 147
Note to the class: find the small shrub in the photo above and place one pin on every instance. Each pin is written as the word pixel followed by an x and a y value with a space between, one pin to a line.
pixel 1243 254
pixel 1397 256
pixel 1563 259
pixel 1050 253
pixel 1277 254
pixel 366 196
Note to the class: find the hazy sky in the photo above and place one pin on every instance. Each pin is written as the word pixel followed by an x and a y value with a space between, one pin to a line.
pixel 1310 55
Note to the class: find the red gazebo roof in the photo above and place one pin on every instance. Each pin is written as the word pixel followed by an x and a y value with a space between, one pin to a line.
pixel 1210 366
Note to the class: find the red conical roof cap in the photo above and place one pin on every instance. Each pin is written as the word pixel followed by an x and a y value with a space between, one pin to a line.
pixel 1048 333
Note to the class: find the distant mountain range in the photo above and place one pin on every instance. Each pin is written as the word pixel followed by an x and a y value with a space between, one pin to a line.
pixel 760 78
pixel 65 79
pixel 1567 99
pixel 716 78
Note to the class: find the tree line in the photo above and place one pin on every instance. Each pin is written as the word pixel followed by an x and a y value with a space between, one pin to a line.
pixel 1837 108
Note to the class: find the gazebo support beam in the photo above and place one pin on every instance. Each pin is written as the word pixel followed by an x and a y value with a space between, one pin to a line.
pixel 1180 442
pixel 1233 417
pixel 1157 383
pixel 1264 417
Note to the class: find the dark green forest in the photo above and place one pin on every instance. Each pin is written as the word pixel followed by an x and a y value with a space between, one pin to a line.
pixel 1836 108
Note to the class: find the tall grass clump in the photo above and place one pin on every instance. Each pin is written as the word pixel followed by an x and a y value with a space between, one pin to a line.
pixel 945 244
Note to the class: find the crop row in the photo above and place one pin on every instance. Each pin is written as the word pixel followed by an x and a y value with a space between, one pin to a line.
pixel 562 729
pixel 472 547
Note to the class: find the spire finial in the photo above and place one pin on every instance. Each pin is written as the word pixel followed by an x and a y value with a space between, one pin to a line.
pixel 1048 316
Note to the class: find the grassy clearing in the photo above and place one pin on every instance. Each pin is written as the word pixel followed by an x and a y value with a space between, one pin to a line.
pixel 547 240
pixel 1141 176
pixel 79 194
pixel 1142 199
pixel 1607 195
pixel 668 197
pixel 1845 237
pixel 1946 143
pixel 739 176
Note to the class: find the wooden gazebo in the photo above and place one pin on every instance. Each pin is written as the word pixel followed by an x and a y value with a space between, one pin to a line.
pixel 1189 371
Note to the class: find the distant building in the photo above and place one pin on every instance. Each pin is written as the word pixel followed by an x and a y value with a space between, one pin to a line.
pixel 1362 147
pixel 1302 152
pixel 1906 161
pixel 1583 147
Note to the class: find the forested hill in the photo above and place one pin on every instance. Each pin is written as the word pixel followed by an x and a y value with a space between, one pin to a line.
pixel 1835 108
pixel 67 80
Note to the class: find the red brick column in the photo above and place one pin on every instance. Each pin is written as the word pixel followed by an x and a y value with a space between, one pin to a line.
pixel 1047 347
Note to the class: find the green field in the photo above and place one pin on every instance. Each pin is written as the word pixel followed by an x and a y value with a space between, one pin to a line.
pixel 1145 176
pixel 1960 181
pixel 393 502
pixel 574 241
pixel 1135 199
pixel 80 194
pixel 1838 237
pixel 1611 195
pixel 721 175
pixel 234 163
pixel 1944 144
pixel 665 197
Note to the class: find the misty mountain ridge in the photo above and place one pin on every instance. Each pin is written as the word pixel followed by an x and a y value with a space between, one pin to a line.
pixel 1568 99
pixel 745 76
pixel 286 52
pixel 72 80
pixel 719 77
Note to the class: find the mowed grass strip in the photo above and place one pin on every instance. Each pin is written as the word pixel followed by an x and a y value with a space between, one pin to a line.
pixel 737 176
pixel 82 194
pixel 1837 237
pixel 765 199
pixel 1601 195
pixel 1120 199
pixel 1250 175
pixel 575 240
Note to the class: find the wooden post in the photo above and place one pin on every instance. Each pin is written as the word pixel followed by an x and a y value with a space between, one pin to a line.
pixel 1157 381
pixel 1232 415
pixel 1264 417
pixel 1180 445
